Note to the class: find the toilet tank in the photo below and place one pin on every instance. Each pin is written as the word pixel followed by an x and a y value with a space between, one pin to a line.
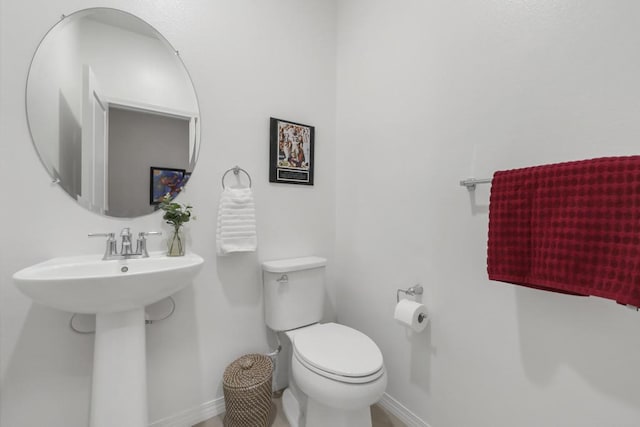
pixel 293 292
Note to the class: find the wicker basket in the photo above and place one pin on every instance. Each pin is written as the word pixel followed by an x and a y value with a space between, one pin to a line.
pixel 247 391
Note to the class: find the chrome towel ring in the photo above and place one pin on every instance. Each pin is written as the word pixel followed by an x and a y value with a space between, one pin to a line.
pixel 236 170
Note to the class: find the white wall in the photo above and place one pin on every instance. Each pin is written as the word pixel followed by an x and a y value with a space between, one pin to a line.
pixel 134 67
pixel 249 60
pixel 432 92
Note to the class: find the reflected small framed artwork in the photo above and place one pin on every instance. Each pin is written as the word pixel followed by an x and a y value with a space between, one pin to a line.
pixel 165 184
pixel 291 155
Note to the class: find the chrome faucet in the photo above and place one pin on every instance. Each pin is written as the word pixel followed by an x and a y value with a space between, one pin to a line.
pixel 125 248
pixel 111 250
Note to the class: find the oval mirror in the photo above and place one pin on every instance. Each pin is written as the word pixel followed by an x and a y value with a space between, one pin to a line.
pixel 112 112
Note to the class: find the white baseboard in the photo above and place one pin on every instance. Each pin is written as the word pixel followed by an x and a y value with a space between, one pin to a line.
pixel 401 412
pixel 195 415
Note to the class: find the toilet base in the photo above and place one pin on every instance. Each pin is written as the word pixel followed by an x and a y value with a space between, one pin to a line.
pixel 319 415
pixel 291 408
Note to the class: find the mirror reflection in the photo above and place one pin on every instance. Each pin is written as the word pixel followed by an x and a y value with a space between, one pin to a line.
pixel 109 104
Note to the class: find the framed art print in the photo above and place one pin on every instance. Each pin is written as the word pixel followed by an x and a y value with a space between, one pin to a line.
pixel 166 183
pixel 291 155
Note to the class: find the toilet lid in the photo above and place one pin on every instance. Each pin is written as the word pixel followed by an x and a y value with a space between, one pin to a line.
pixel 338 349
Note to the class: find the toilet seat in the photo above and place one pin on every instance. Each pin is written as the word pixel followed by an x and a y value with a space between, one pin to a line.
pixel 339 353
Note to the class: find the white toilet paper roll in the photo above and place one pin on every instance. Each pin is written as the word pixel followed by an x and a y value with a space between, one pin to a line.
pixel 412 314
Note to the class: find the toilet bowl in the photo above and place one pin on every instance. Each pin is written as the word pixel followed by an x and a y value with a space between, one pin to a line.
pixel 341 372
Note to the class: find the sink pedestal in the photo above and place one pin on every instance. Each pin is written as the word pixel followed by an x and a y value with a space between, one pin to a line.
pixel 119 388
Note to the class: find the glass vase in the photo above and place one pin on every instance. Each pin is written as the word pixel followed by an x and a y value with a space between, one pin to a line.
pixel 176 245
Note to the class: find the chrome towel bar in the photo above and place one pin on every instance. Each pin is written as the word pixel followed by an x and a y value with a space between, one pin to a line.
pixel 470 183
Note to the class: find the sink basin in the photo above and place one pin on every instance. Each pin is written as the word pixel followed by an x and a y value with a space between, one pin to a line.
pixel 88 284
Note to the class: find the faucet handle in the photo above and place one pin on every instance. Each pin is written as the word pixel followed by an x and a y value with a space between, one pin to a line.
pixel 143 234
pixel 111 248
pixel 142 242
pixel 109 235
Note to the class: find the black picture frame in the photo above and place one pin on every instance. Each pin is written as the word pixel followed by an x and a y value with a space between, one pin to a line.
pixel 291 152
pixel 164 181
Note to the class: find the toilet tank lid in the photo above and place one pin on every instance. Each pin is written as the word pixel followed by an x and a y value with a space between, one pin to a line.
pixel 293 264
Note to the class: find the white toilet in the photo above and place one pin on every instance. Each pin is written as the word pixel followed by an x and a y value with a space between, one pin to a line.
pixel 336 372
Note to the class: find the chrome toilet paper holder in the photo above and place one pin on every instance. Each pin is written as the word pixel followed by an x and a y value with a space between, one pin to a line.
pixel 412 291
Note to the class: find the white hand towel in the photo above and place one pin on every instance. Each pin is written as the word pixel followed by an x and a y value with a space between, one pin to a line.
pixel 236 230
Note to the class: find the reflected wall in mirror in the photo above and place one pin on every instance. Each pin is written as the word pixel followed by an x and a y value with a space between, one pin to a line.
pixel 107 98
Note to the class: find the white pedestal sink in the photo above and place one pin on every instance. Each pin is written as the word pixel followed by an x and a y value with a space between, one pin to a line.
pixel 117 292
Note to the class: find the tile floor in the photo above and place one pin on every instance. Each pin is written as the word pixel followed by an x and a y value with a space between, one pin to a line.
pixel 380 417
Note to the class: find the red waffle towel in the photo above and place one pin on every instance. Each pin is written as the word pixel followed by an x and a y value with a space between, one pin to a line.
pixel 569 227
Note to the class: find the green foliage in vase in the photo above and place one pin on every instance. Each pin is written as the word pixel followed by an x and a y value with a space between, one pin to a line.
pixel 176 214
